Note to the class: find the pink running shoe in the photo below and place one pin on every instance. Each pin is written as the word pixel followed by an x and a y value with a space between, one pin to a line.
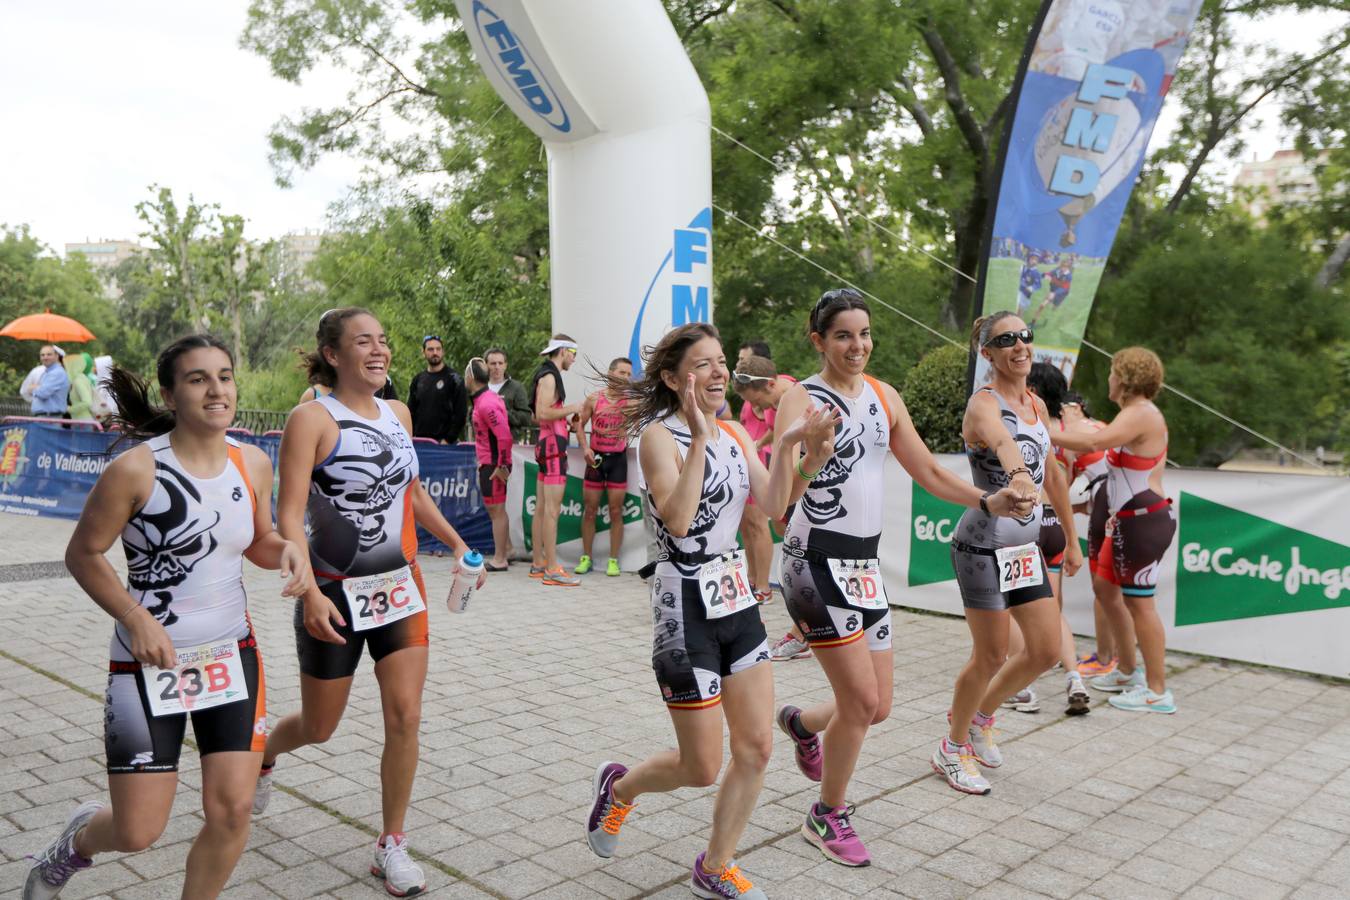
pixel 807 750
pixel 832 833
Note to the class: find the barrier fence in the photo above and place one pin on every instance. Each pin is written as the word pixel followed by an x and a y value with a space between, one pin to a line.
pixel 1259 570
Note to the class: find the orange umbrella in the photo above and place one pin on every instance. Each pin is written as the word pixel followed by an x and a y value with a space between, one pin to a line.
pixel 47 326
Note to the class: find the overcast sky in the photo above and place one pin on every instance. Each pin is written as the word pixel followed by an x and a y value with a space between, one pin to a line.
pixel 101 100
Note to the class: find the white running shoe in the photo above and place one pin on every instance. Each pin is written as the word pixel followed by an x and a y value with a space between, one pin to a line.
pixel 53 867
pixel 1080 701
pixel 789 648
pixel 984 746
pixel 1116 682
pixel 262 793
pixel 957 764
pixel 402 877
pixel 1024 701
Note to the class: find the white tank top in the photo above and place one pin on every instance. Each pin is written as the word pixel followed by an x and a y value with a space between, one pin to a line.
pixel 839 516
pixel 359 515
pixel 726 487
pixel 1033 442
pixel 185 550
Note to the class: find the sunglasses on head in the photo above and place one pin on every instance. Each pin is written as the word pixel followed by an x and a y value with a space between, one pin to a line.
pixel 743 378
pixel 430 337
pixel 1010 338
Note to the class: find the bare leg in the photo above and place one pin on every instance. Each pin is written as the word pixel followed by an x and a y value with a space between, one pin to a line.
pixel 747 703
pixel 548 527
pixel 1068 655
pixel 989 636
pixel 136 816
pixel 615 499
pixel 401 675
pixel 501 534
pixel 696 762
pixel 1122 624
pixel 1152 640
pixel 590 498
pixel 228 780
pixel 853 676
pixel 1039 621
pixel 322 703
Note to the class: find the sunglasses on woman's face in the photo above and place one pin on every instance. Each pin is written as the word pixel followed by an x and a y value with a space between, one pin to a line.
pixel 1010 338
pixel 743 378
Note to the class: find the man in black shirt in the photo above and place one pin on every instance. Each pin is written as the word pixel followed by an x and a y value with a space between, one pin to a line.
pixel 436 397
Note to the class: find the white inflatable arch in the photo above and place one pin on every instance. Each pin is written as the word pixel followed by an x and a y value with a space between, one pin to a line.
pixel 609 89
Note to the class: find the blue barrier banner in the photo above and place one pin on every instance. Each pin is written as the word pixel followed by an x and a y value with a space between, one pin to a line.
pixel 46 470
pixel 1087 96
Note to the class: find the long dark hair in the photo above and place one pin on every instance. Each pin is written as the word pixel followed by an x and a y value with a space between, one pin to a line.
pixel 831 304
pixel 328 334
pixel 649 398
pixel 1050 385
pixel 137 415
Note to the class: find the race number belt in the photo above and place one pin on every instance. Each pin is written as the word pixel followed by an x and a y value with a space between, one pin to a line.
pixel 724 585
pixel 379 600
pixel 860 582
pixel 1019 567
pixel 206 676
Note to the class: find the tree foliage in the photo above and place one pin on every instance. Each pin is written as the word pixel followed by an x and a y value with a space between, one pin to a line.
pixel 880 124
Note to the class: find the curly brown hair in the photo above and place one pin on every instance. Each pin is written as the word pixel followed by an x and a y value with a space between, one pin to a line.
pixel 1139 371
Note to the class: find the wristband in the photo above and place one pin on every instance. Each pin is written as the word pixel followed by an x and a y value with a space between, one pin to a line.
pixel 128 611
pixel 1018 471
pixel 984 504
pixel 809 476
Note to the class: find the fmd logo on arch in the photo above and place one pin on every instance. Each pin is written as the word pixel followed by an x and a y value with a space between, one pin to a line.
pixel 683 276
pixel 518 68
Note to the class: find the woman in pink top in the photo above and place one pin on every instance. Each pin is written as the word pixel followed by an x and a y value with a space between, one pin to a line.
pixel 606 449
pixel 492 442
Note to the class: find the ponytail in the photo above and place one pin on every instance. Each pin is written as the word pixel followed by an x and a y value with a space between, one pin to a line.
pixel 137 415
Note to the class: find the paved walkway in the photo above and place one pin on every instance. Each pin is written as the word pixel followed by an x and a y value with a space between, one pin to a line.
pixel 1245 793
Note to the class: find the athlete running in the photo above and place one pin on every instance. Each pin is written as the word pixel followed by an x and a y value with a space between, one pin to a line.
pixel 708 641
pixel 1138 525
pixel 606 450
pixel 189 504
pixel 492 447
pixel 999 568
pixel 831 576
pixel 349 473
pixel 552 412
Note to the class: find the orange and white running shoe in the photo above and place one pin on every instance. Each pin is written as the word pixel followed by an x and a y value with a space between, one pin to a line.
pixel 1090 665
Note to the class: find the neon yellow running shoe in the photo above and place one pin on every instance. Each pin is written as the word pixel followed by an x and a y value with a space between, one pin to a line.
pixel 612 570
pixel 584 565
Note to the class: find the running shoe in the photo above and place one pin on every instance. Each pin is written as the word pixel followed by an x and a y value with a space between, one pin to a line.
pixel 1141 699
pixel 1080 701
pixel 763 595
pixel 584 565
pixel 402 877
pixel 537 571
pixel 834 836
pixel 612 570
pixel 262 793
pixel 789 648
pixel 724 884
pixel 985 747
pixel 1117 681
pixel 1090 665
pixel 53 867
pixel 1024 701
pixel 956 763
pixel 560 578
pixel 807 750
pixel 607 811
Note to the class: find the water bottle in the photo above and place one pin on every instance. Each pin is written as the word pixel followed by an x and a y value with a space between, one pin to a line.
pixel 466 581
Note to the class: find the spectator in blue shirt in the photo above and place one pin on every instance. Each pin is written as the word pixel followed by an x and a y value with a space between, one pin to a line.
pixel 49 398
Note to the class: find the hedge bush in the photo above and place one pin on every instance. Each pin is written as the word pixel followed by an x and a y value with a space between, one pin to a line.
pixel 935 394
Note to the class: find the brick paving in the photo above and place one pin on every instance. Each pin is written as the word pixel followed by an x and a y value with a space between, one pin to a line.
pixel 1245 793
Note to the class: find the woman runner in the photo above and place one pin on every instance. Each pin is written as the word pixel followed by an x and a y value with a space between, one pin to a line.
pixel 189 504
pixel 1138 525
pixel 999 568
pixel 492 448
pixel 831 576
pixel 708 640
pixel 348 468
